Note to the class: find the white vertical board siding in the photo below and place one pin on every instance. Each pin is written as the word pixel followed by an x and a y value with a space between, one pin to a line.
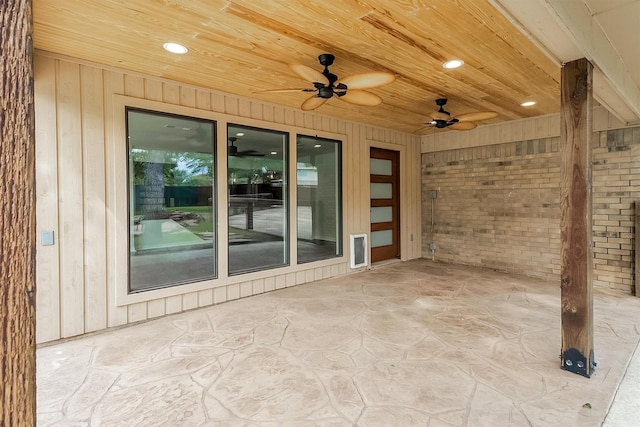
pixel 77 146
pixel 94 183
pixel 70 199
pixel 113 82
pixel 412 213
pixel 47 257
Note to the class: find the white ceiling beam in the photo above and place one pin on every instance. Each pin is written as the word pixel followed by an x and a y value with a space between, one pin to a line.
pixel 576 18
pixel 566 30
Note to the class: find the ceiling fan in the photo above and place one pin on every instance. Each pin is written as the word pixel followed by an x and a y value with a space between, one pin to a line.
pixel 326 85
pixel 232 150
pixel 443 119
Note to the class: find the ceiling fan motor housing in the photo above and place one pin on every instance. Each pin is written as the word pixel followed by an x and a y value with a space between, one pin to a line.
pixel 325 92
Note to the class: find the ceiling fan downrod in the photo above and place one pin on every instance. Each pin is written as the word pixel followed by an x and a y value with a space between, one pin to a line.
pixel 327 91
pixel 441 103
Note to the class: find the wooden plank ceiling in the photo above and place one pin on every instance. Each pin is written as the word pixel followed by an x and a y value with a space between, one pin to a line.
pixel 244 46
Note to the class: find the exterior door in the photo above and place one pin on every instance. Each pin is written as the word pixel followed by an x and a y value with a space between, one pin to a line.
pixel 385 206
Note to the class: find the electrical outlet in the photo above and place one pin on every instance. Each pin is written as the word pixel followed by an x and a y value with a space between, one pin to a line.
pixel 432 246
pixel 434 194
pixel 47 238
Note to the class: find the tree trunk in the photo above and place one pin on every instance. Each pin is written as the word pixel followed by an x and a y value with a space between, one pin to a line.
pixel 17 216
pixel 153 200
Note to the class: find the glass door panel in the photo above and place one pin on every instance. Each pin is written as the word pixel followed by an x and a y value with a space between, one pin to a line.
pixel 381 191
pixel 381 167
pixel 381 214
pixel 381 238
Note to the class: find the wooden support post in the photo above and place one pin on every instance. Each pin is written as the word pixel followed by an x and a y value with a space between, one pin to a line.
pixel 575 217
pixel 636 264
pixel 17 216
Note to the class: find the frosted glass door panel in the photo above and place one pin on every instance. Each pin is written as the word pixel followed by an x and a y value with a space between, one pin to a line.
pixel 381 190
pixel 381 214
pixel 381 167
pixel 381 238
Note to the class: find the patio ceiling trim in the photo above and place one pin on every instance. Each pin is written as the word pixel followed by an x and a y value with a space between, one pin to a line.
pixel 566 30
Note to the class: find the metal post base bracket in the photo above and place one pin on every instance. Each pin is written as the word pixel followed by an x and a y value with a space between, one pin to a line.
pixel 574 361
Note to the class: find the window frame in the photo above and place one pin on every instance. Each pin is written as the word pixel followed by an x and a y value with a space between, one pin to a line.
pixel 286 199
pixel 117 216
pixel 214 195
pixel 339 197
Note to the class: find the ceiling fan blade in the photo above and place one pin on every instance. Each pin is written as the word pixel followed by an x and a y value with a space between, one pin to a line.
pixel 474 117
pixel 308 73
pixel 313 103
pixel 463 126
pixel 367 80
pixel 287 90
pixel 361 97
pixel 437 115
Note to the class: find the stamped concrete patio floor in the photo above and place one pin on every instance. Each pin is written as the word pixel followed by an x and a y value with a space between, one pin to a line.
pixel 413 343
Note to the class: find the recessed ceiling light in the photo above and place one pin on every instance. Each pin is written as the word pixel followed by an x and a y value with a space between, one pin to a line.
pixel 528 103
pixel 274 152
pixel 454 63
pixel 240 134
pixel 175 48
pixel 317 146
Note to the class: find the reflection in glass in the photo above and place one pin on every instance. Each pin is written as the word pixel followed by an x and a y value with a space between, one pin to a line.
pixel 319 199
pixel 258 211
pixel 171 214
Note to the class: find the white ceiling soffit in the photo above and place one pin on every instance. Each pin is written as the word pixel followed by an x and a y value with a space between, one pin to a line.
pixel 603 31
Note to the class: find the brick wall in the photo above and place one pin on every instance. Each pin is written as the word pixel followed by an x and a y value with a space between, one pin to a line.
pixel 498 206
pixel 616 187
